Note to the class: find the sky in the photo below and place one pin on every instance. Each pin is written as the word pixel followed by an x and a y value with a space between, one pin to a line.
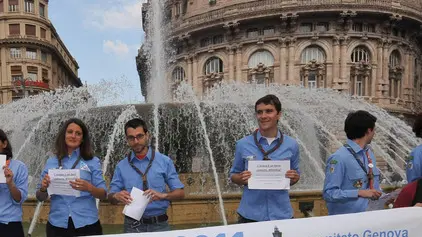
pixel 104 37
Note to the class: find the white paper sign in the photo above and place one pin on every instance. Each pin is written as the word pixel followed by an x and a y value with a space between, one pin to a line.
pixel 138 205
pixel 2 163
pixel 269 174
pixel 59 182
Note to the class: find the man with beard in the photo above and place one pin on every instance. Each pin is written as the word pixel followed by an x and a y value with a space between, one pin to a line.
pixel 351 175
pixel 150 171
pixel 266 143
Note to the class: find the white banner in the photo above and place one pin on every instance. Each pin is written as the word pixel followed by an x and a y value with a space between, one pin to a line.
pixel 402 222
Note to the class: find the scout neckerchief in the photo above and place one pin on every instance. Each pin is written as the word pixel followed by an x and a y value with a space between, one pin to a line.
pixel 369 173
pixel 143 175
pixel 267 153
pixel 8 162
pixel 74 164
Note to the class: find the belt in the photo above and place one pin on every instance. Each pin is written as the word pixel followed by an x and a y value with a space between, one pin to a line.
pixel 152 219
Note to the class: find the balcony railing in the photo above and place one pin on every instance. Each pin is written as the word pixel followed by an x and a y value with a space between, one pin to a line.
pixel 32 84
pixel 412 7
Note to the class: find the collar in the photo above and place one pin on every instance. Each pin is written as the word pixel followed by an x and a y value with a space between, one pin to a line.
pixel 75 154
pixel 259 135
pixel 147 157
pixel 356 147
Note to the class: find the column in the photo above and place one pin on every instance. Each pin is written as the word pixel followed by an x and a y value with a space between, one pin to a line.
pixel 385 57
pixel 239 63
pixel 290 75
pixel 380 78
pixel 189 72
pixel 231 63
pixel 195 79
pixel 283 76
pixel 336 60
pixel 21 6
pixel 373 80
pixel 343 60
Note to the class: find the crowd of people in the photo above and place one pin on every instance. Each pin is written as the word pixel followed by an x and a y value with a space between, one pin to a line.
pixel 352 176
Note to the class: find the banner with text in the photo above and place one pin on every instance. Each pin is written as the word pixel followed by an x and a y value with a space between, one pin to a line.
pixel 403 222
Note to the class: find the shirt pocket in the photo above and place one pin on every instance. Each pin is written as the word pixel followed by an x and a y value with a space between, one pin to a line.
pixel 356 179
pixel 156 180
pixel 284 156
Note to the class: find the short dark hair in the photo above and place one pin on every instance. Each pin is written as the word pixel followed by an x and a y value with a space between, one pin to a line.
pixel 357 124
pixel 269 100
pixel 85 147
pixel 136 123
pixel 417 126
pixel 8 150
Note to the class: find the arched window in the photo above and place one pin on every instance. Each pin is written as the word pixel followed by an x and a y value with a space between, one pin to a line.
pixel 360 72
pixel 261 57
pixel 260 63
pixel 213 65
pixel 178 74
pixel 394 59
pixel 395 74
pixel 312 53
pixel 360 54
pixel 313 67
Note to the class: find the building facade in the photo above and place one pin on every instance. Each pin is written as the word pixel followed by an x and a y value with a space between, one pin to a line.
pixel 33 58
pixel 367 48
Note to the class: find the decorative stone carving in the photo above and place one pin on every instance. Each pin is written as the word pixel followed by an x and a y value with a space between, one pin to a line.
pixel 361 68
pixel 396 73
pixel 260 69
pixel 211 79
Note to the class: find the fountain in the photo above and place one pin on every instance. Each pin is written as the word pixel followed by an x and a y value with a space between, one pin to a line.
pixel 200 135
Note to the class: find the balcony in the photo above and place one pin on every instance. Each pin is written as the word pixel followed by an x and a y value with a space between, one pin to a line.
pixel 33 84
pixel 259 8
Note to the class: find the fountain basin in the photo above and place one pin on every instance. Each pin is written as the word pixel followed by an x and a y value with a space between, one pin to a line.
pixel 195 209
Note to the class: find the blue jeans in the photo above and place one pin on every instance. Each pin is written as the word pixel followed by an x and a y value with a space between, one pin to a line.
pixel 133 226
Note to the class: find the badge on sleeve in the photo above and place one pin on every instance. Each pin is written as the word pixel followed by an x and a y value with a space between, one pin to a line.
pixel 332 169
pixel 409 165
pixel 409 158
pixel 333 162
pixel 358 184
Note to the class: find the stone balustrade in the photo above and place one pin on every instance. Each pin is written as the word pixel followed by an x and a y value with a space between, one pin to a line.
pixel 238 11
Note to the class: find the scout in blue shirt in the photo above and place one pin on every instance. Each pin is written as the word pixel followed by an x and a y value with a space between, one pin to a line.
pixel 414 161
pixel 12 193
pixel 69 215
pixel 351 175
pixel 267 143
pixel 148 170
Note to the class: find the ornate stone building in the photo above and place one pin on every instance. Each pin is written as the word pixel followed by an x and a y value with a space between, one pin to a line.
pixel 32 56
pixel 368 48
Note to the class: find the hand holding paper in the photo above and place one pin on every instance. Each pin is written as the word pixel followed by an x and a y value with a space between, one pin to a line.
pixel 138 205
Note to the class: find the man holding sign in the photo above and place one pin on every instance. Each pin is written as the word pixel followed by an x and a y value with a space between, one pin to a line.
pixel 140 181
pixel 263 162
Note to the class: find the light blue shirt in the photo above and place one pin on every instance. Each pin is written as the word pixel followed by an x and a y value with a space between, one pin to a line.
pixel 161 173
pixel 264 205
pixel 414 164
pixel 10 210
pixel 344 177
pixel 83 210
